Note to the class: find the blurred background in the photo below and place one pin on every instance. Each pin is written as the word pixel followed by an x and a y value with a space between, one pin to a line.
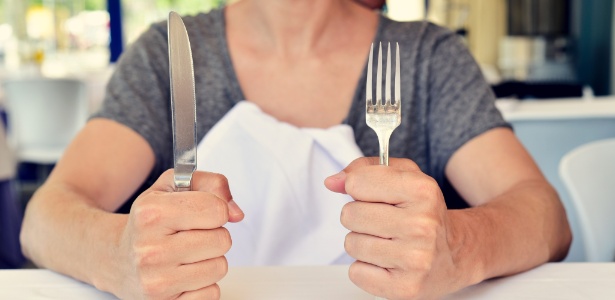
pixel 550 63
pixel 523 45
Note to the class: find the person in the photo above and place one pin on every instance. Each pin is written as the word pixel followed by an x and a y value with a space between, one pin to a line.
pixel 461 201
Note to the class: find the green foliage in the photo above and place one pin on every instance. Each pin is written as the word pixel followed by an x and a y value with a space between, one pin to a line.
pixel 188 6
pixel 185 6
pixel 95 4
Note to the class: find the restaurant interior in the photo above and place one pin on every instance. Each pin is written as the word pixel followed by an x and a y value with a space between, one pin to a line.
pixel 550 63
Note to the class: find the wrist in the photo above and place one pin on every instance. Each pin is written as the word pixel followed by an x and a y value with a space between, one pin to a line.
pixel 464 245
pixel 105 262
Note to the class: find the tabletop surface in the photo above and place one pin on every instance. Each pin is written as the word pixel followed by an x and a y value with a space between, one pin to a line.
pixel 551 281
pixel 557 109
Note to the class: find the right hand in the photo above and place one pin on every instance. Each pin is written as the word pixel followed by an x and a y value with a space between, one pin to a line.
pixel 173 244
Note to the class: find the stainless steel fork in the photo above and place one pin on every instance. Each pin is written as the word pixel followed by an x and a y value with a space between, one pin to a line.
pixel 383 118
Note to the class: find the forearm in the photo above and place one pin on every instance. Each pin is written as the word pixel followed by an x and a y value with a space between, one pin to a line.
pixel 66 232
pixel 514 232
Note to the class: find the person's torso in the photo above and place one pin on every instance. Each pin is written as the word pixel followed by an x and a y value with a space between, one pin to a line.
pixel 218 89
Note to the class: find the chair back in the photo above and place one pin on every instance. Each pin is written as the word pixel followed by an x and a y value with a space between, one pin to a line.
pixel 588 173
pixel 44 116
pixel 548 139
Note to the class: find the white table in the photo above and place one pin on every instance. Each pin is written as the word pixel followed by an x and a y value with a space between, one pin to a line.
pixel 560 281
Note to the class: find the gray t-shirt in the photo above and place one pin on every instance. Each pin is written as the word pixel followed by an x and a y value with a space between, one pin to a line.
pixel 446 101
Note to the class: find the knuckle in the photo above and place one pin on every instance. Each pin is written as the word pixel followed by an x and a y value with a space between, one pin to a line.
pixel 220 208
pixel 146 257
pixel 427 228
pixel 425 263
pixel 220 266
pixel 420 263
pixel 350 184
pixel 147 216
pixel 346 214
pixel 152 288
pixel 224 239
pixel 349 244
pixel 410 165
pixel 219 181
pixel 428 186
pixel 214 292
pixel 353 273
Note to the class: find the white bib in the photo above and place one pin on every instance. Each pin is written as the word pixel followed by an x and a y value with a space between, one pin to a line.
pixel 276 173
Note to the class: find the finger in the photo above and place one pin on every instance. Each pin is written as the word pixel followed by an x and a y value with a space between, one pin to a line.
pixel 401 164
pixel 377 219
pixel 400 188
pixel 218 185
pixel 336 182
pixel 387 283
pixel 172 212
pixel 195 276
pixel 373 250
pixel 213 183
pixel 380 184
pixel 187 247
pixel 371 278
pixel 209 292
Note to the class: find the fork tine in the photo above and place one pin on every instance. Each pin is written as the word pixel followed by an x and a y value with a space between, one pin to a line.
pixel 379 77
pixel 368 85
pixel 397 79
pixel 387 86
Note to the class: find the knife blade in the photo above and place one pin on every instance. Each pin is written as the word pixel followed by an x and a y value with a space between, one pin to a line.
pixel 183 102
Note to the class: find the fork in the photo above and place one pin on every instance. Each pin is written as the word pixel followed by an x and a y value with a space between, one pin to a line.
pixel 383 118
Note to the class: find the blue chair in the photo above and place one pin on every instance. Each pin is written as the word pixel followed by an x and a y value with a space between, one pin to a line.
pixel 10 210
pixel 10 224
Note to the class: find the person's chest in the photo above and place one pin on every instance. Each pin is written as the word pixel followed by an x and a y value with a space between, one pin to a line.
pixel 312 92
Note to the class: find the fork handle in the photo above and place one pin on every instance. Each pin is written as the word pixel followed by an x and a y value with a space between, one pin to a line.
pixel 383 141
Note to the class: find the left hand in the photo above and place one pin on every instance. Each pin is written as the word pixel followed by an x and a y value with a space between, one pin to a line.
pixel 400 230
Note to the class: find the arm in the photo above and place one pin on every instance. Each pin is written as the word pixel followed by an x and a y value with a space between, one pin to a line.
pixel 87 188
pixel 404 237
pixel 517 217
pixel 170 245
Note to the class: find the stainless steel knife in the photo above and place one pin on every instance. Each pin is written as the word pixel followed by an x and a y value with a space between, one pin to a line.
pixel 183 102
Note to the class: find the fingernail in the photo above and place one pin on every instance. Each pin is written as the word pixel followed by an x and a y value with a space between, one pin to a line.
pixel 341 176
pixel 234 209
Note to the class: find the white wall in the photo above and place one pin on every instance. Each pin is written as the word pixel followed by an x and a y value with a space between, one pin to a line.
pixel 406 10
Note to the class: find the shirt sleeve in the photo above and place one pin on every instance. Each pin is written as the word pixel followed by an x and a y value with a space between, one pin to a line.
pixel 138 94
pixel 461 104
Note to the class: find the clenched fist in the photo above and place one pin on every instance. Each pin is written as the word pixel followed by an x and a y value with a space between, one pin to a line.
pixel 173 244
pixel 399 230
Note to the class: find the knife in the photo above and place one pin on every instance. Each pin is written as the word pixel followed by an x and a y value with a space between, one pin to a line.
pixel 183 103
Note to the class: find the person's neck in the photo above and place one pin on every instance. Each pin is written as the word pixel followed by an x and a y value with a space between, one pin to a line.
pixel 297 27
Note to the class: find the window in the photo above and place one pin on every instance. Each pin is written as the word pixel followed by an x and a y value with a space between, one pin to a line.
pixel 54 37
pixel 138 15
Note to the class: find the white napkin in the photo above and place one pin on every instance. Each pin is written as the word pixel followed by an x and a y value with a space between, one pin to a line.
pixel 276 173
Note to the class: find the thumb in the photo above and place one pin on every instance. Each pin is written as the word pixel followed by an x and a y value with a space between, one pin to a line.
pixel 337 182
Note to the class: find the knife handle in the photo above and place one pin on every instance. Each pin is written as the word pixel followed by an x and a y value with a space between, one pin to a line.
pixel 183 182
pixel 182 189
